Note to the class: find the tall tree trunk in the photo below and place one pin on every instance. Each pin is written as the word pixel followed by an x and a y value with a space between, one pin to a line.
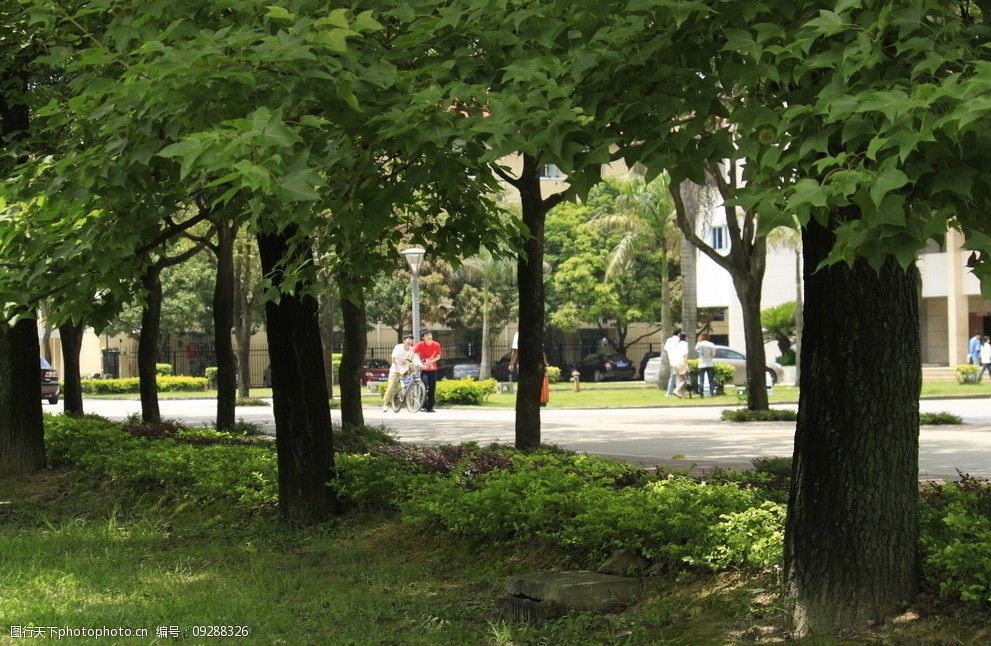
pixel 355 346
pixel 327 335
pixel 689 294
pixel 852 528
pixel 799 313
pixel 748 290
pixel 46 334
pixel 243 333
pixel 485 365
pixel 304 434
pixel 72 391
pixel 223 322
pixel 530 283
pixel 665 294
pixel 151 318
pixel 22 432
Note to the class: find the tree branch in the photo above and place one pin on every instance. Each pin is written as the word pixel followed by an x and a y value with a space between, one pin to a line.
pixel 506 177
pixel 686 229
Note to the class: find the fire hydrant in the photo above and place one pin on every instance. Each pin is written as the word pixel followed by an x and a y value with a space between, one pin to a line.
pixel 576 379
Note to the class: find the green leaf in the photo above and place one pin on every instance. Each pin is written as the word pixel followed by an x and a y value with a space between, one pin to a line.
pixel 299 185
pixel 886 182
pixel 278 13
pixel 187 150
pixel 365 22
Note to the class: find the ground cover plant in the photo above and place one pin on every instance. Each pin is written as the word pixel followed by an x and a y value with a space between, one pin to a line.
pixel 143 524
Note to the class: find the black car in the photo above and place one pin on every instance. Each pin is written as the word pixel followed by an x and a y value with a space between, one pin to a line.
pixel 49 382
pixel 606 367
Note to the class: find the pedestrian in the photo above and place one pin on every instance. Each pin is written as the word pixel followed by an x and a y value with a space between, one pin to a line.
pixel 670 347
pixel 401 356
pixel 429 352
pixel 514 354
pixel 974 350
pixel 985 357
pixel 679 365
pixel 706 352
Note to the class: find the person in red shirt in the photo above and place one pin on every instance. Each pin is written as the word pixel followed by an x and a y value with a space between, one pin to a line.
pixel 429 352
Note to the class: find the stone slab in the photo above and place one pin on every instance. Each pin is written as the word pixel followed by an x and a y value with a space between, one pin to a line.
pixel 578 590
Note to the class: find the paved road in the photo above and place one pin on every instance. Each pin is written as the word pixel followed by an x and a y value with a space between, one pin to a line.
pixel 648 435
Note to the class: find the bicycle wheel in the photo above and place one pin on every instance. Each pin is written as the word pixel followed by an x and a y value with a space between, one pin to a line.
pixel 415 395
pixel 397 397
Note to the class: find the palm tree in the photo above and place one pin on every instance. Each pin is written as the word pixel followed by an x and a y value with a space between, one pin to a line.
pixel 489 271
pixel 644 213
pixel 787 238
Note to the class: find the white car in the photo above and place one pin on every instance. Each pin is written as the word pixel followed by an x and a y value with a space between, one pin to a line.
pixel 655 371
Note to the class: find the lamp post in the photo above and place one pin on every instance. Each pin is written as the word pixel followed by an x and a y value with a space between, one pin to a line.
pixel 414 256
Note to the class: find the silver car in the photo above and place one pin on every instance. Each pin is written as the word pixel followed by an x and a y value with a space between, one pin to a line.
pixel 656 371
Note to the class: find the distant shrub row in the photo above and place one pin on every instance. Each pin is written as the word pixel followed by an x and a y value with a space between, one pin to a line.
pixel 131 385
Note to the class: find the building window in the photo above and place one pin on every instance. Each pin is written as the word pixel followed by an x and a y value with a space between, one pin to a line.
pixel 550 171
pixel 718 238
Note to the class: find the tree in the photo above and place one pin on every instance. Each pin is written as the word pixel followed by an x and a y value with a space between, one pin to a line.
pixel 644 213
pixel 871 140
pixel 485 293
pixel 22 440
pixel 779 326
pixel 247 301
pixel 789 238
pixel 604 270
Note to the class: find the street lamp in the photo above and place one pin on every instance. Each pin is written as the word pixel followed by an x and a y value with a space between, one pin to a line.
pixel 414 256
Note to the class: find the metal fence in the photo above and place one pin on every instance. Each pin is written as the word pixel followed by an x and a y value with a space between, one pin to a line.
pixel 193 358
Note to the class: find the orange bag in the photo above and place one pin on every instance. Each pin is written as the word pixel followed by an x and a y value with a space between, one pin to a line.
pixel 545 390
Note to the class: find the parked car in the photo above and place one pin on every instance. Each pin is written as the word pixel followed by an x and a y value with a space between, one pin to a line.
pixel 606 367
pixel 655 370
pixel 652 370
pixel 49 382
pixel 739 362
pixel 457 368
pixel 374 370
pixel 647 356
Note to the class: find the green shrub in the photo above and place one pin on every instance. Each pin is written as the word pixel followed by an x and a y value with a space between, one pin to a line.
pixel 211 375
pixel 553 374
pixel 967 373
pixel 725 374
pixel 250 401
pixel 941 417
pixel 464 391
pixel 163 369
pixel 753 537
pixel 375 481
pixel 350 439
pixel 774 465
pixel 132 385
pixel 243 475
pixel 747 415
pixel 955 523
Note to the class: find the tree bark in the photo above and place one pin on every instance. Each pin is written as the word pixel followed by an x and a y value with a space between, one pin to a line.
pixel 223 323
pixel 530 281
pixel 245 293
pixel 327 336
pixel 748 290
pixel 799 313
pixel 304 434
pixel 852 528
pixel 355 346
pixel 151 317
pixel 485 363
pixel 22 432
pixel 72 391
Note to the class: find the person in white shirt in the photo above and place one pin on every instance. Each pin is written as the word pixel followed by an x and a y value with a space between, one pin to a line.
pixel 679 365
pixel 670 346
pixel 985 358
pixel 706 352
pixel 402 354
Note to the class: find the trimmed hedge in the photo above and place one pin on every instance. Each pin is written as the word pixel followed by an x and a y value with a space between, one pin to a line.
pixel 132 385
pixel 967 373
pixel 464 391
pixel 747 415
pixel 725 375
pixel 553 374
pixel 163 369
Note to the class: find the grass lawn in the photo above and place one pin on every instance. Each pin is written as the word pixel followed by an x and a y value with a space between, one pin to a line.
pixel 75 552
pixel 628 394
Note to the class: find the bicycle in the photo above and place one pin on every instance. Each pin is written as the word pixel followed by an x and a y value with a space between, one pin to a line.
pixel 411 391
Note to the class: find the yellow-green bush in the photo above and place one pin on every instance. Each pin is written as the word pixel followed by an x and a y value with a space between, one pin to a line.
pixel 464 391
pixel 132 385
